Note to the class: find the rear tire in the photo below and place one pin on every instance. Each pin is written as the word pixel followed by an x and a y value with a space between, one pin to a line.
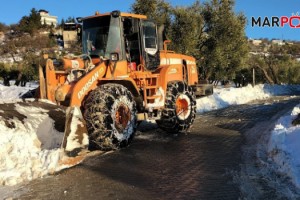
pixel 110 114
pixel 180 108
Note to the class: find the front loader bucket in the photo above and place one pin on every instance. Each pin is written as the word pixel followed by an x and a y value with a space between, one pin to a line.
pixel 75 140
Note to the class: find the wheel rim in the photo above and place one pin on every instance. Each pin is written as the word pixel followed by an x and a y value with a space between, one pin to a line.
pixel 123 116
pixel 182 107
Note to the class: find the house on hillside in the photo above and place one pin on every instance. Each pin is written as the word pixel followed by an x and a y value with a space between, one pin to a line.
pixel 256 42
pixel 70 34
pixel 298 58
pixel 48 19
pixel 278 42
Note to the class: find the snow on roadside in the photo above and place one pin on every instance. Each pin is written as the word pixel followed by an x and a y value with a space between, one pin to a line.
pixel 23 156
pixel 29 148
pixel 27 151
pixel 12 92
pixel 224 97
pixel 283 147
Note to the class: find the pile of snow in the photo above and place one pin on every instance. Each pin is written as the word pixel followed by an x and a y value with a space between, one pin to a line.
pixel 284 148
pixel 224 97
pixel 31 149
pixel 15 92
pixel 12 92
pixel 27 151
pixel 20 148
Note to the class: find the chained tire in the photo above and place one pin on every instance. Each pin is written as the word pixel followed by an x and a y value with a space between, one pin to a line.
pixel 110 114
pixel 180 108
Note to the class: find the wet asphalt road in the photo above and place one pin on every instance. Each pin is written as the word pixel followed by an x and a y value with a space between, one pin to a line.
pixel 198 165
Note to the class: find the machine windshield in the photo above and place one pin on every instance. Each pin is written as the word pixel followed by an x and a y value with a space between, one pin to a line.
pixel 102 36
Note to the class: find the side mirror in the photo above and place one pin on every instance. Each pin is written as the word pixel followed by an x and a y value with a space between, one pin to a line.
pixel 79 19
pixel 166 42
pixel 114 57
pixel 115 13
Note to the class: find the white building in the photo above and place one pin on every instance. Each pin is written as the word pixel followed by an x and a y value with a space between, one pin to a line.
pixel 70 35
pixel 48 19
pixel 256 42
pixel 278 42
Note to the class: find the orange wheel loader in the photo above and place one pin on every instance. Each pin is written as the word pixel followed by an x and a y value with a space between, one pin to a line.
pixel 124 75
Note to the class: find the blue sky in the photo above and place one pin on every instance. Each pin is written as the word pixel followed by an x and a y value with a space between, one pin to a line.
pixel 12 11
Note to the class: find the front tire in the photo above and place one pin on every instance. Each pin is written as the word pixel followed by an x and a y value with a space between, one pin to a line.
pixel 110 114
pixel 180 108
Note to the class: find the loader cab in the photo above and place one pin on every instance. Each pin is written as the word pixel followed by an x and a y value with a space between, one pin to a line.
pixel 141 42
pixel 132 36
pixel 101 36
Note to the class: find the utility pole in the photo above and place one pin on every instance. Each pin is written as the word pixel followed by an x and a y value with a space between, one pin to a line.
pixel 253 77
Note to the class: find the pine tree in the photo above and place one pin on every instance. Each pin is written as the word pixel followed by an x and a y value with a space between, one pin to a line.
pixel 31 23
pixel 158 10
pixel 3 27
pixel 70 20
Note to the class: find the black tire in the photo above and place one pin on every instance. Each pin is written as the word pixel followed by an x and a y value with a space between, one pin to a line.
pixel 175 119
pixel 110 114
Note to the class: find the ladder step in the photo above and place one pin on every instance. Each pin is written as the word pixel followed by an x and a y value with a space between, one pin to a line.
pixel 154 97
pixel 146 76
pixel 151 87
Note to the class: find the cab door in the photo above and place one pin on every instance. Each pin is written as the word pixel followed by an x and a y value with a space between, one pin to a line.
pixel 149 43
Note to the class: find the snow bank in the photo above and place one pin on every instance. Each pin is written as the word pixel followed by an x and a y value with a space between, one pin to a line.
pixel 284 148
pixel 31 149
pixel 12 92
pixel 224 97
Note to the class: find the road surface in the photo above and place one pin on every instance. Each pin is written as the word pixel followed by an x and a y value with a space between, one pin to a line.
pixel 209 162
